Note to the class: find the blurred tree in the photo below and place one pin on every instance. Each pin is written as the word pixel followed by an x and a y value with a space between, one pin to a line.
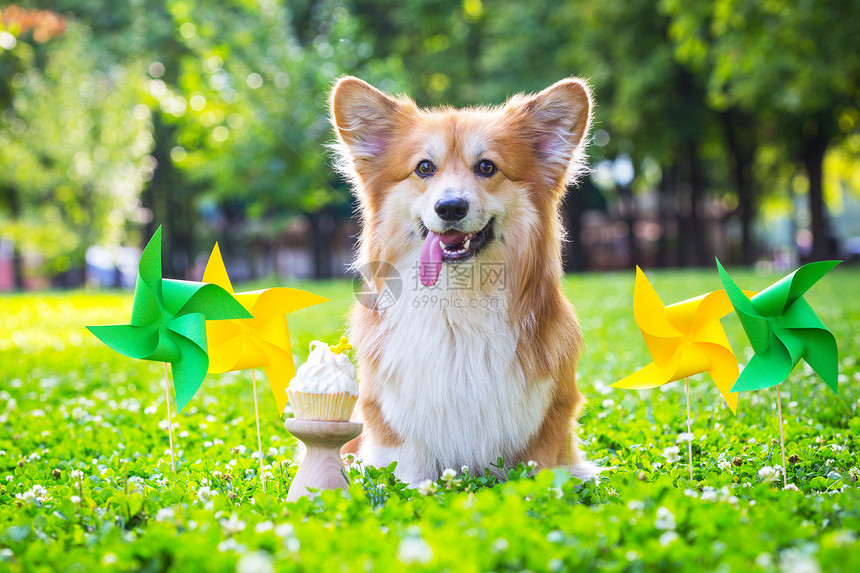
pixel 72 161
pixel 793 65
pixel 256 80
pixel 649 106
pixel 141 36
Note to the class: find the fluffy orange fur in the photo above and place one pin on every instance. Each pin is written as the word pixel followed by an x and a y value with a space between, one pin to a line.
pixel 536 143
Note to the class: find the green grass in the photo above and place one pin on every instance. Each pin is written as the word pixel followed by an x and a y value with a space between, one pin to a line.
pixel 85 483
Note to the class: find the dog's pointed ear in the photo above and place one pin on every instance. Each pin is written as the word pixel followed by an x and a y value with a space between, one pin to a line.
pixel 556 121
pixel 363 117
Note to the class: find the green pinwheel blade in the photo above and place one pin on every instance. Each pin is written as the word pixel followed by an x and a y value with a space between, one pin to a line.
pixel 764 370
pixel 132 341
pixel 215 303
pixel 146 308
pixel 822 355
pixel 188 332
pixel 775 299
pixel 755 325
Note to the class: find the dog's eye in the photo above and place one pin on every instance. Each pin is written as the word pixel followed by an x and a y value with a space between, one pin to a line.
pixel 485 168
pixel 425 168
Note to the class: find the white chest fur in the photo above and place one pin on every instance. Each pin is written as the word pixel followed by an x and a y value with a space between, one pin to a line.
pixel 452 387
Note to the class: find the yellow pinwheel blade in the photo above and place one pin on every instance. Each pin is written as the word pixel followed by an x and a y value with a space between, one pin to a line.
pixel 259 342
pixel 216 272
pixel 649 376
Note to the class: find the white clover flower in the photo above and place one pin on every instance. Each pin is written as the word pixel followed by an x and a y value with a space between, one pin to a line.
pixel 448 474
pixel 255 562
pixel 500 545
pixel 667 538
pixel 793 560
pixel 205 493
pixel 464 470
pixel 685 437
pixel 555 536
pixel 665 519
pixel 10 477
pixel 635 505
pixel 34 457
pixel 233 525
pixel 426 487
pixel 532 465
pixel 150 410
pixel 790 487
pixel 724 465
pixel 268 476
pixel 264 526
pixel 671 454
pixel 231 544
pixel 854 473
pixel 414 550
pixel 767 473
pixel 75 499
pixel 165 514
pixel 285 530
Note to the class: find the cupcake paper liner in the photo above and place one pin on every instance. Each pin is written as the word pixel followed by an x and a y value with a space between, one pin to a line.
pixel 324 407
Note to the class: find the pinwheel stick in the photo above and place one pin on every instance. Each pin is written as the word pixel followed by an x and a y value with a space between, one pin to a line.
pixel 689 430
pixel 259 439
pixel 781 436
pixel 169 417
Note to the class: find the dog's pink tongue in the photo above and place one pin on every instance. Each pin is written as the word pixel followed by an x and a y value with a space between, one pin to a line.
pixel 430 262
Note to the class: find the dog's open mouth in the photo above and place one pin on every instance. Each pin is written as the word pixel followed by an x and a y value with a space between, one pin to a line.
pixel 450 247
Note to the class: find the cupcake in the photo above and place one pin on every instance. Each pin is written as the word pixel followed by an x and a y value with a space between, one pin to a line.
pixel 324 387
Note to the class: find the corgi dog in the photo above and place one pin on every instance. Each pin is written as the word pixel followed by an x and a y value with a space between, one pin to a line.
pixel 471 354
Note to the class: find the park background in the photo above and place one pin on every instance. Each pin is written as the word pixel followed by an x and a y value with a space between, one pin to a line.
pixel 728 128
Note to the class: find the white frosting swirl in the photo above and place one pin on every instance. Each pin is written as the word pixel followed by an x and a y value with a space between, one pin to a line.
pixel 325 372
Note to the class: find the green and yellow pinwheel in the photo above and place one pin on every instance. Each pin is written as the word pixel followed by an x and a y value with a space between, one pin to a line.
pixel 262 341
pixel 684 339
pixel 168 322
pixel 782 328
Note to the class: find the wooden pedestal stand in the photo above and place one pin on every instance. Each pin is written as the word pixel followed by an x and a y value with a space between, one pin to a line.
pixel 322 467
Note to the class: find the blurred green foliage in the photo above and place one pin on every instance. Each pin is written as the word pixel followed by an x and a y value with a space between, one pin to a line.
pixel 212 115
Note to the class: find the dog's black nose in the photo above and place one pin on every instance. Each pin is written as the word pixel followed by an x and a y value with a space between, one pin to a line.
pixel 452 209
